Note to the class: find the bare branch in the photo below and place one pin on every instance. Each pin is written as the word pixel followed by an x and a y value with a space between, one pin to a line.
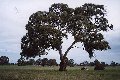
pixel 60 53
pixel 69 48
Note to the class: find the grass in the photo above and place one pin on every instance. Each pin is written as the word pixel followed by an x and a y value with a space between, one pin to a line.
pixel 52 73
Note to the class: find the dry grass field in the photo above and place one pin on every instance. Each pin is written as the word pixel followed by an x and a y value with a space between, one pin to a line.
pixel 52 73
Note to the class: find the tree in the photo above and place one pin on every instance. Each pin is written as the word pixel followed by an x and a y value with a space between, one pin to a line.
pixel 46 30
pixel 96 62
pixel 52 62
pixel 21 62
pixel 91 63
pixel 103 63
pixel 44 62
pixel 85 63
pixel 113 63
pixel 98 65
pixel 71 63
pixel 4 60
pixel 31 62
pixel 38 61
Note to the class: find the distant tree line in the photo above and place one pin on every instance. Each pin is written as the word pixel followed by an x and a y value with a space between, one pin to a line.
pixel 42 62
pixel 86 63
pixel 4 60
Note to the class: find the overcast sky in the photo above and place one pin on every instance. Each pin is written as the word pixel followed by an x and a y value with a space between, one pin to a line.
pixel 14 15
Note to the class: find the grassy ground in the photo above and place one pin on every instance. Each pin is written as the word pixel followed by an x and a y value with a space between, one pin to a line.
pixel 52 73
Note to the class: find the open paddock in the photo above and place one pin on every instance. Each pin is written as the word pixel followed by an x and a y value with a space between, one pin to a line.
pixel 14 72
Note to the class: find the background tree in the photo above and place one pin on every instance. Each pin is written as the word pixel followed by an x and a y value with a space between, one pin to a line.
pixel 38 61
pixel 44 62
pixel 85 63
pixel 31 62
pixel 113 63
pixel 46 30
pixel 21 62
pixel 98 65
pixel 103 63
pixel 71 63
pixel 52 62
pixel 91 63
pixel 4 60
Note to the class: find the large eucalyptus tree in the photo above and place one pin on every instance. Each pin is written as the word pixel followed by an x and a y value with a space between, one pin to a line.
pixel 46 30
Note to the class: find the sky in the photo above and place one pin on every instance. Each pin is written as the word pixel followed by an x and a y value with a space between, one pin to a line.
pixel 14 15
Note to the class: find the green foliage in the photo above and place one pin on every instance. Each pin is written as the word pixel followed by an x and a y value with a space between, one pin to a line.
pixel 52 62
pixel 30 62
pixel 44 61
pixel 21 62
pixel 38 61
pixel 71 63
pixel 46 30
pixel 4 60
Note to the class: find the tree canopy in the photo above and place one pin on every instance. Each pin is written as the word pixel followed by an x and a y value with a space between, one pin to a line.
pixel 46 29
pixel 4 60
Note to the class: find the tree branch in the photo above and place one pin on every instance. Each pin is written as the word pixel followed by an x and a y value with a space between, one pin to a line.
pixel 69 48
pixel 60 52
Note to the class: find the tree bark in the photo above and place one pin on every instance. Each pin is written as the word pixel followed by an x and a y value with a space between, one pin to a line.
pixel 63 64
pixel 63 58
pixel 69 48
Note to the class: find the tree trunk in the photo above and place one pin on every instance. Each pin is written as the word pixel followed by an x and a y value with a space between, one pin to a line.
pixel 63 58
pixel 63 64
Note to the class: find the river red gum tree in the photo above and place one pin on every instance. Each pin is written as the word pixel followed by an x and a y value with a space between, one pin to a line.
pixel 46 30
